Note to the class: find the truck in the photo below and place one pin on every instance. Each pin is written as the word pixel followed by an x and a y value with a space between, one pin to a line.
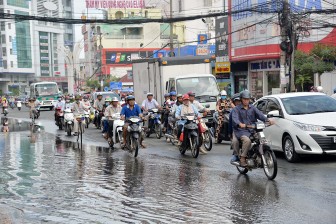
pixel 183 75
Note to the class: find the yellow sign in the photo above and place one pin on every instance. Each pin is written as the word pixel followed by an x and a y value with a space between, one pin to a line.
pixel 223 67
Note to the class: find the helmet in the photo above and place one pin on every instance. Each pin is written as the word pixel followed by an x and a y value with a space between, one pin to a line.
pixel 223 93
pixel 108 99
pixel 85 97
pixel 319 89
pixel 30 99
pixel 150 94
pixel 179 95
pixel 115 99
pixel 173 93
pixel 77 97
pixel 245 94
pixel 130 97
pixel 236 97
pixel 166 95
pixel 185 97
pixel 99 94
pixel 191 93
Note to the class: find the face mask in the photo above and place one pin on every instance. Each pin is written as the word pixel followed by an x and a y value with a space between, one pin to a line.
pixel 223 97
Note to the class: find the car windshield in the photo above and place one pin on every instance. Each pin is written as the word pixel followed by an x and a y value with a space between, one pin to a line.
pixel 309 104
pixel 46 89
pixel 201 86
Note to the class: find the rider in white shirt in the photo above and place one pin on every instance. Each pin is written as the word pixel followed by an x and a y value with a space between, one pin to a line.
pixel 86 103
pixel 149 104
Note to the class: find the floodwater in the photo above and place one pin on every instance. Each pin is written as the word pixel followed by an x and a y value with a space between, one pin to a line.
pixel 44 179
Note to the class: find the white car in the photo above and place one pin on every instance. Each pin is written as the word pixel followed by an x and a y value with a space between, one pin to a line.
pixel 305 123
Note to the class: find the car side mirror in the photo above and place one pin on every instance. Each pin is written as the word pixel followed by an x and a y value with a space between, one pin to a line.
pixel 273 113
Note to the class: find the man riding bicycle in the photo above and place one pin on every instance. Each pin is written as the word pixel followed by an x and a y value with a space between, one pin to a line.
pixel 78 110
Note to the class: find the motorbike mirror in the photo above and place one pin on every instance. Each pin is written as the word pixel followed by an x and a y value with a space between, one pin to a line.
pixel 273 113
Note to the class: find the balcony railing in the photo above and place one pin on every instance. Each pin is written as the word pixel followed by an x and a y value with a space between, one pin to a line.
pixel 124 37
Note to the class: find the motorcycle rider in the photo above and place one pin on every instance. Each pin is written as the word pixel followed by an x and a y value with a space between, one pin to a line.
pixel 105 121
pixel 112 109
pixel 166 99
pixel 149 104
pixel 32 104
pixel 243 115
pixel 4 104
pixel 86 103
pixel 60 104
pixel 234 141
pixel 222 104
pixel 197 104
pixel 129 110
pixel 99 106
pixel 77 109
pixel 186 108
pixel 67 104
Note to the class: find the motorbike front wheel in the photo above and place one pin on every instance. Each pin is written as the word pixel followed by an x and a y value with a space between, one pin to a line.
pixel 87 122
pixel 69 130
pixel 158 131
pixel 60 123
pixel 19 108
pixel 194 146
pixel 242 170
pixel 207 141
pixel 134 146
pixel 271 166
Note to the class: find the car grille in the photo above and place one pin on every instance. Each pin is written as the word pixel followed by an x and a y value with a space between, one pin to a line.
pixel 325 142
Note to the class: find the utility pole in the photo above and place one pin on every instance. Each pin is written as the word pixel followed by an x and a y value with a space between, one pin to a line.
pixel 100 58
pixel 284 24
pixel 293 40
pixel 171 30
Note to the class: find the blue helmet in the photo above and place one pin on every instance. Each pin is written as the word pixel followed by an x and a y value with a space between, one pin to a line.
pixel 173 93
pixel 130 97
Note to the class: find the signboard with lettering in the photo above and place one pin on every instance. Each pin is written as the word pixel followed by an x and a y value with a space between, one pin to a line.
pixel 222 67
pixel 202 49
pixel 115 4
pixel 202 39
pixel 253 31
pixel 222 38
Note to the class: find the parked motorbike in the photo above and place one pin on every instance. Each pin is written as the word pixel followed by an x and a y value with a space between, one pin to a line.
pixel 19 105
pixel 260 155
pixel 68 121
pixel 154 122
pixel 189 136
pixel 204 134
pixel 117 130
pixel 59 118
pixel 223 134
pixel 134 132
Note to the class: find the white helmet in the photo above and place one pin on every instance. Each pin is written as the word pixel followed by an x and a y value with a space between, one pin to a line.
pixel 115 99
pixel 319 89
pixel 223 93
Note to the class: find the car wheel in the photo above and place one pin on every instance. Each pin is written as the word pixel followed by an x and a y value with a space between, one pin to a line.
pixel 289 149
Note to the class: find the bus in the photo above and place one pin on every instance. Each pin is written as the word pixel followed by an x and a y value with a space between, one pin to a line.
pixel 46 93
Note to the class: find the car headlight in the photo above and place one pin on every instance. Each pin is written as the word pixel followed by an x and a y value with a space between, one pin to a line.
pixel 309 127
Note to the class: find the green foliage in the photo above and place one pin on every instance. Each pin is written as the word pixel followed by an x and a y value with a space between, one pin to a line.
pixel 303 79
pixel 93 83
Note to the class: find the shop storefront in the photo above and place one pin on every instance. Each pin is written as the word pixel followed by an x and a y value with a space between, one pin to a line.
pixel 264 77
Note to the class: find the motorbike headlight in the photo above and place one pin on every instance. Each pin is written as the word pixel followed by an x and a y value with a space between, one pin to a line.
pixel 309 127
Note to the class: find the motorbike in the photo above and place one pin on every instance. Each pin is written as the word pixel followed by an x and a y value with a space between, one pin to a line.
pixel 223 134
pixel 19 105
pixel 5 111
pixel 154 122
pixel 204 134
pixel 172 130
pixel 59 118
pixel 189 135
pixel 98 114
pixel 117 130
pixel 134 132
pixel 260 155
pixel 87 117
pixel 68 121
pixel 12 105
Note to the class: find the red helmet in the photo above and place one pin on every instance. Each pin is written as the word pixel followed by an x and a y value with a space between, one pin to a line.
pixel 185 97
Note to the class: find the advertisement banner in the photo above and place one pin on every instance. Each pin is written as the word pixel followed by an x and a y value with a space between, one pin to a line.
pixel 222 67
pixel 115 85
pixel 124 57
pixel 115 4
pixel 222 38
pixel 202 39
pixel 202 49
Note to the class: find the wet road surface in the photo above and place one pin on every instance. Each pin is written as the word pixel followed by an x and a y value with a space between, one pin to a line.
pixel 44 178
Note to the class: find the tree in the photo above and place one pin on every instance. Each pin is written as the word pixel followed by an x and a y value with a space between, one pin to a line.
pixel 325 56
pixel 302 79
pixel 93 84
pixel 304 68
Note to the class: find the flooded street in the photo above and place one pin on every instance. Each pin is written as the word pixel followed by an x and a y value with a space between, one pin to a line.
pixel 46 179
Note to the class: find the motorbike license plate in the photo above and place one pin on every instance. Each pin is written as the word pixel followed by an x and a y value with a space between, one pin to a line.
pixel 205 120
pixel 335 139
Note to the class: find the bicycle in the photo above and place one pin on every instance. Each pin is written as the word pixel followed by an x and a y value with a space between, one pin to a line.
pixel 80 130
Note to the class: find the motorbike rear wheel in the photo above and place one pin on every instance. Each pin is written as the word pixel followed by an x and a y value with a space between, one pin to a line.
pixel 158 131
pixel 194 147
pixel 207 141
pixel 271 168
pixel 69 130
pixel 60 123
pixel 120 138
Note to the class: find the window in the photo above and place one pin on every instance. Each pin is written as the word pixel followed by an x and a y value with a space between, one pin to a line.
pixel 12 64
pixel 68 3
pixel 3 38
pixel 119 15
pixel 272 106
pixel 1 2
pixel 5 64
pixel 180 6
pixel 18 3
pixel 3 27
pixel 4 52
pixel 132 14
pixel 9 26
pixel 146 14
pixel 10 39
pixel 208 3
pixel 11 51
pixel 261 105
pixel 23 42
